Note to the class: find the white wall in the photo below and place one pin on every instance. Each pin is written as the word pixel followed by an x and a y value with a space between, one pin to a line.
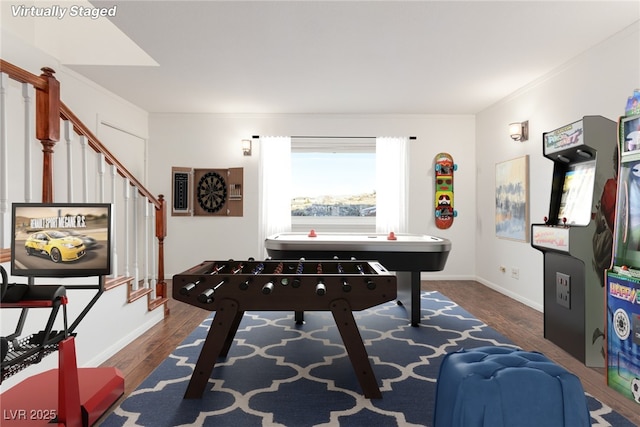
pixel 597 82
pixel 213 141
pixel 112 323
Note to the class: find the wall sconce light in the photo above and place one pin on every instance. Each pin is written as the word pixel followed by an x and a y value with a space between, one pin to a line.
pixel 246 147
pixel 519 131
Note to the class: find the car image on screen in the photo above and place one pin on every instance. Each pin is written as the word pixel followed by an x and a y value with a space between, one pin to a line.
pixel 89 242
pixel 56 245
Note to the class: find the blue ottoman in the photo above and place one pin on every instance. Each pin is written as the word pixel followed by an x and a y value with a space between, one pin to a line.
pixel 502 387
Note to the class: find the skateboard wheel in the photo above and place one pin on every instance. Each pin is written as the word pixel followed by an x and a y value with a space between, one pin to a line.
pixel 455 167
pixel 455 214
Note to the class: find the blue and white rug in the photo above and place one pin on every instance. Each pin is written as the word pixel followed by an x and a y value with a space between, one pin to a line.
pixel 278 373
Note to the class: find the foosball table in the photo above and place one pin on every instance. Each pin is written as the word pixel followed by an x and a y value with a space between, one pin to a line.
pixel 232 287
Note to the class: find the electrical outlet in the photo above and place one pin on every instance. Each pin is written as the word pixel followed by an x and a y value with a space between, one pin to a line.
pixel 515 273
pixel 563 289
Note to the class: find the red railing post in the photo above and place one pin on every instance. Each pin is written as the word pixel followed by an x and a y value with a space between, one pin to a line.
pixel 161 233
pixel 48 127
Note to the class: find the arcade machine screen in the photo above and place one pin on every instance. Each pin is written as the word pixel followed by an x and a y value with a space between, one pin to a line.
pixel 577 192
pixel 61 240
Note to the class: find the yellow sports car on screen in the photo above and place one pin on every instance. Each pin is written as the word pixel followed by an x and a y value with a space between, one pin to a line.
pixel 56 245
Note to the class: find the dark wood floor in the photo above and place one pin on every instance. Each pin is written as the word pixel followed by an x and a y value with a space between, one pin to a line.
pixel 516 321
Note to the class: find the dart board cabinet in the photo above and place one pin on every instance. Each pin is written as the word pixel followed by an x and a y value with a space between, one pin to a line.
pixel 217 192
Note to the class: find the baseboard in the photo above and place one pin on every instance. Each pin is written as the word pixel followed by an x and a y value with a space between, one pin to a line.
pixel 426 276
pixel 431 277
pixel 155 316
pixel 510 294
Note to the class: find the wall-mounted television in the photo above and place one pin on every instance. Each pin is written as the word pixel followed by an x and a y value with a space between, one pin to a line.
pixel 61 239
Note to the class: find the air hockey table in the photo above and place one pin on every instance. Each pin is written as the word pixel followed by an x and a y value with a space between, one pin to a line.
pixel 406 254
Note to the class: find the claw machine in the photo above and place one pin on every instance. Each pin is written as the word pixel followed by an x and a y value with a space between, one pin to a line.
pixel 623 278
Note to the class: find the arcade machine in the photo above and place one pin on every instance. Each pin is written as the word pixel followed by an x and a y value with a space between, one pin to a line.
pixel 623 279
pixel 573 238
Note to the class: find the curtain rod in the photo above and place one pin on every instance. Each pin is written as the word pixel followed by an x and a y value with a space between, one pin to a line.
pixel 334 137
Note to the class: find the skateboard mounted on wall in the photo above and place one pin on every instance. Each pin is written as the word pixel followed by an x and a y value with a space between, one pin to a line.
pixel 444 211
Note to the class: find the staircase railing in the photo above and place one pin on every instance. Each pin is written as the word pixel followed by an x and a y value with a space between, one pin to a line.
pixel 49 111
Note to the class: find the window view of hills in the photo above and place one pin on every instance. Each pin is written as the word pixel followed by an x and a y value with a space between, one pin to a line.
pixel 350 205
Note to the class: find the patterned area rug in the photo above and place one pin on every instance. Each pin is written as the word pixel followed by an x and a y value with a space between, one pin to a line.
pixel 278 373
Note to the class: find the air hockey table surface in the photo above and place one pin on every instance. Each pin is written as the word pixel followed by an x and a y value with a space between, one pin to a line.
pixel 407 255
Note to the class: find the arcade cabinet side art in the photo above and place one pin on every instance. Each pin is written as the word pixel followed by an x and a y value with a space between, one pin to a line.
pixel 444 211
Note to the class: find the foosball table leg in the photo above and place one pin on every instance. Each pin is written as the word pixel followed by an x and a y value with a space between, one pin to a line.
pixel 221 333
pixel 355 348
pixel 231 334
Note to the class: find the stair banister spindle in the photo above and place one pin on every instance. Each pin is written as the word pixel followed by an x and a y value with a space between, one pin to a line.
pixel 145 236
pixel 114 229
pixel 101 167
pixel 68 137
pixel 85 169
pixel 4 161
pixel 127 224
pixel 136 252
pixel 27 98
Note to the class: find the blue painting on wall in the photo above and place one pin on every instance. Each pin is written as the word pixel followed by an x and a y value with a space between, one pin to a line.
pixel 512 199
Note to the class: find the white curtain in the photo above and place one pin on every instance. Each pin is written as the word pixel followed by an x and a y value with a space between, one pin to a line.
pixel 275 185
pixel 392 171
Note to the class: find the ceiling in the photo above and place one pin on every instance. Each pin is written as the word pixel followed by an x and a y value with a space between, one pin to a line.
pixel 341 57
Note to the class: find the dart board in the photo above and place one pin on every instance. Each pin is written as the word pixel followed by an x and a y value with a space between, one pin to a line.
pixel 210 192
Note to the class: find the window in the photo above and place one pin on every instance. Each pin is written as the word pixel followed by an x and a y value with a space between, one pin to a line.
pixel 333 182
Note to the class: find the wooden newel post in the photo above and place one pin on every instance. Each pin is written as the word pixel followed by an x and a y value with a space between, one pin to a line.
pixel 48 127
pixel 161 233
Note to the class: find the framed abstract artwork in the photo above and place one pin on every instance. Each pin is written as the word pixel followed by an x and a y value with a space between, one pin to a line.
pixel 512 199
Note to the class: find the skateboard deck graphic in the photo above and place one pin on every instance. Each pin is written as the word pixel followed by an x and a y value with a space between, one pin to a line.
pixel 444 211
